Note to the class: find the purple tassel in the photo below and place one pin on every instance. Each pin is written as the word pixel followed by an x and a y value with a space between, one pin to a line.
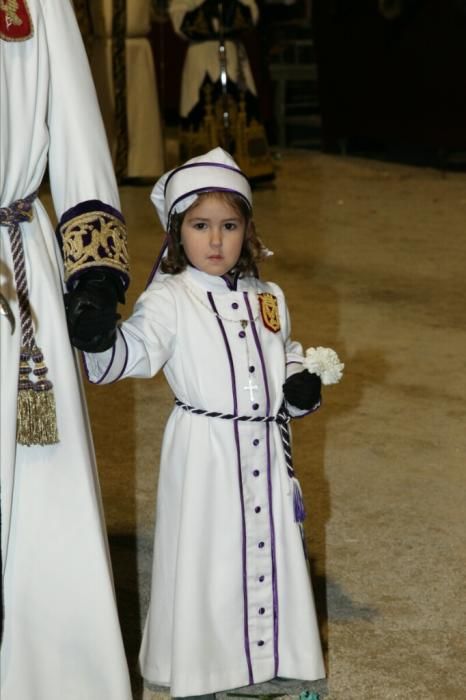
pixel 299 512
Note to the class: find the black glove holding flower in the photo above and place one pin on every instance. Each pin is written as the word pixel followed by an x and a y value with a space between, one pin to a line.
pixel 302 390
pixel 91 310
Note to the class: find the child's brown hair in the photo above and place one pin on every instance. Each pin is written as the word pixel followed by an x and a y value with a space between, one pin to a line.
pixel 252 251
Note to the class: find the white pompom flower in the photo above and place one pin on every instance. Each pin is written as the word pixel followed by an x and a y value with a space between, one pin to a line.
pixel 325 363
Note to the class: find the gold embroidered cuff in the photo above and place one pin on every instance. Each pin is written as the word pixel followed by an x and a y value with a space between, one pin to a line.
pixel 94 239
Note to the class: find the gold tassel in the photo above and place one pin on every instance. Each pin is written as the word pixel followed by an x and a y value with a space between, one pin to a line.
pixel 36 410
pixel 37 421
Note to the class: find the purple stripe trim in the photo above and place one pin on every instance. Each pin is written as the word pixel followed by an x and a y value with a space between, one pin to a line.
pixel 158 261
pixel 231 280
pixel 274 556
pixel 245 565
pixel 307 413
pixel 259 350
pixel 230 357
pixel 269 485
pixel 88 206
pixel 294 362
pixel 83 355
pixel 85 367
pixel 109 365
pixel 240 483
pixel 188 166
pixel 200 190
pixel 126 356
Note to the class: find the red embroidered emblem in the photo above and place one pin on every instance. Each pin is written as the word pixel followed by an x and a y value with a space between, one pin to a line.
pixel 15 20
pixel 269 311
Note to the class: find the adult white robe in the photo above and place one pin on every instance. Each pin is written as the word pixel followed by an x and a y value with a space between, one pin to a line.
pixel 62 638
pixel 202 58
pixel 145 141
pixel 231 601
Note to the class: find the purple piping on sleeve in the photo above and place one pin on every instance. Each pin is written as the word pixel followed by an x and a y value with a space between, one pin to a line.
pixel 83 355
pixel 294 362
pixel 247 648
pixel 85 366
pixel 269 485
pixel 307 413
pixel 126 356
pixel 109 364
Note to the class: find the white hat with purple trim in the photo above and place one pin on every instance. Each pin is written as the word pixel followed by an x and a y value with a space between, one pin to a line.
pixel 178 189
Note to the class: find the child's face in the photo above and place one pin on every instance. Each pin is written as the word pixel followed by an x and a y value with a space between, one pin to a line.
pixel 212 234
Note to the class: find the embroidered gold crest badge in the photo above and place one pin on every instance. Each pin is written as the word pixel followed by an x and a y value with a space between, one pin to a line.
pixel 269 311
pixel 15 20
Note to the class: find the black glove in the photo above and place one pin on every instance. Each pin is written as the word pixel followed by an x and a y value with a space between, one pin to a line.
pixel 302 390
pixel 91 310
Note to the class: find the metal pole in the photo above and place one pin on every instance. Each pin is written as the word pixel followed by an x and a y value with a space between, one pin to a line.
pixel 222 54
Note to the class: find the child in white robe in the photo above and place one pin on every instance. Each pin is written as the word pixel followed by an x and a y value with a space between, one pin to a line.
pixel 231 601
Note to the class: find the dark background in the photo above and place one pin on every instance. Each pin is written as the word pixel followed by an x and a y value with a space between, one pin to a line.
pixel 389 82
pixel 392 82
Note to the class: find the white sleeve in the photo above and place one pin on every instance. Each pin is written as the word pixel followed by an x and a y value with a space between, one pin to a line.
pixel 144 342
pixel 80 164
pixel 177 9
